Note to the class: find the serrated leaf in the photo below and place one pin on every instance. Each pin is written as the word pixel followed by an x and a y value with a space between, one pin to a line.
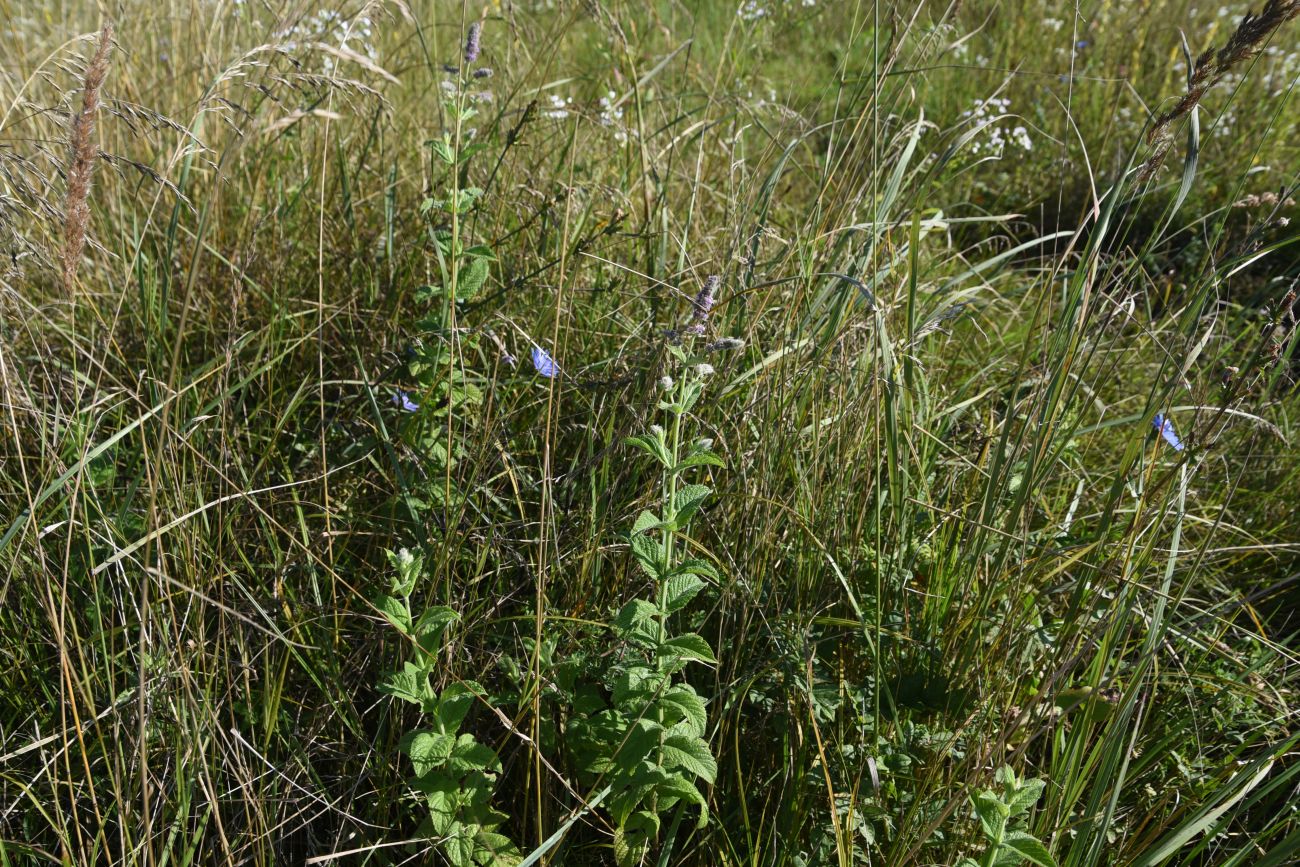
pixel 630 847
pixel 991 813
pixel 678 786
pixel 638 744
pixel 453 704
pixel 431 625
pixel 1025 797
pixel 410 684
pixel 683 706
pixel 679 590
pixel 691 753
pixel 651 445
pixel 470 279
pixel 481 251
pixel 695 567
pixel 409 566
pixel 441 794
pixel 622 804
pixel 459 846
pixel 647 520
pixel 647 553
pixel 635 619
pixel 699 459
pixel 427 750
pixel 688 646
pixel 501 851
pixel 1029 847
pixel 693 392
pixel 470 755
pixel 688 501
pixel 636 685
pixel 442 150
pixel 645 821
pixel 395 612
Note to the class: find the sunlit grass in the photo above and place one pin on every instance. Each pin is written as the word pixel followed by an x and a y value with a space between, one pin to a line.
pixel 946 539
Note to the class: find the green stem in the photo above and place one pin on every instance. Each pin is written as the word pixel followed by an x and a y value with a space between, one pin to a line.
pixel 670 499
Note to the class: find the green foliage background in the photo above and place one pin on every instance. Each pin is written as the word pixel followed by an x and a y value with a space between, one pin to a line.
pixel 946 559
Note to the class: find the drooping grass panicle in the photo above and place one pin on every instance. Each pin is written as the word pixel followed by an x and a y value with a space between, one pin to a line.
pixel 81 166
pixel 1246 41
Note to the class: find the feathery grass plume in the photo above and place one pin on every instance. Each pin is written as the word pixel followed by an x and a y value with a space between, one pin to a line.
pixel 1211 66
pixel 82 162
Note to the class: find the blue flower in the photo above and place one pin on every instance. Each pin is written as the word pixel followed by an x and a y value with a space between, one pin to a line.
pixel 1166 429
pixel 542 360
pixel 403 401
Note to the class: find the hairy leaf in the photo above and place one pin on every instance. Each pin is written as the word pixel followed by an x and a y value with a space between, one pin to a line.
pixel 647 553
pixel 1025 797
pixel 688 501
pixel 647 520
pixel 1029 847
pixel 396 612
pixel 683 705
pixel 453 704
pixel 651 445
pixel 698 459
pixel 410 684
pixel 427 749
pixel 679 590
pixel 691 753
pixel 470 755
pixel 688 646
pixel 636 619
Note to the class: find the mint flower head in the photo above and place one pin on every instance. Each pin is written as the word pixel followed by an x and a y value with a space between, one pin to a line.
pixel 702 304
pixel 472 42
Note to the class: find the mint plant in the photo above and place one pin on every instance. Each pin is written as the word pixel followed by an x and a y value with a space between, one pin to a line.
pixel 1000 812
pixel 646 742
pixel 461 268
pixel 454 773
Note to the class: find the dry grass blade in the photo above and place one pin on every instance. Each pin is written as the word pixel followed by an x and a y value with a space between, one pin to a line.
pixel 1246 41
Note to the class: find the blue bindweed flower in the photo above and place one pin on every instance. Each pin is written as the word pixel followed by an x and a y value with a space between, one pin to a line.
pixel 1166 429
pixel 403 401
pixel 542 360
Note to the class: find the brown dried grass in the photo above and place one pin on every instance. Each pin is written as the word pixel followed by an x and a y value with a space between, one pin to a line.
pixel 81 166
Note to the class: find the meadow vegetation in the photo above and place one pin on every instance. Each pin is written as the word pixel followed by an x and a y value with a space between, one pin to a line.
pixel 773 432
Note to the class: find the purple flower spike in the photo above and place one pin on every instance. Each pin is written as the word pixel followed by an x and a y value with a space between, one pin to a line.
pixel 545 365
pixel 707 295
pixel 471 42
pixel 1166 429
pixel 403 401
